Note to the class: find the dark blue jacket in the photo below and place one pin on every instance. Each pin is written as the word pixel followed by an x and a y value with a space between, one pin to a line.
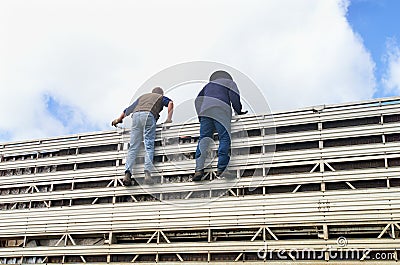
pixel 219 94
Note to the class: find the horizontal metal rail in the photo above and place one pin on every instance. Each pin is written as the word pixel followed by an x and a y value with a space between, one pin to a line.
pixel 305 208
pixel 255 181
pixel 199 247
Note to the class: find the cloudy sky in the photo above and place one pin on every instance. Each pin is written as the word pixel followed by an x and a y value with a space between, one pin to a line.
pixel 71 66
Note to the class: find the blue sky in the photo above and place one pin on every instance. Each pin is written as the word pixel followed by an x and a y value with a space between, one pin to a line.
pixel 377 22
pixel 72 66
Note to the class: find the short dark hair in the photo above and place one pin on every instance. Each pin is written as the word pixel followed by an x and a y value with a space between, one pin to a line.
pixel 158 90
pixel 220 74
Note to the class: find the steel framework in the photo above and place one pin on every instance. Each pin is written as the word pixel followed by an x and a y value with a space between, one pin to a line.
pixel 314 185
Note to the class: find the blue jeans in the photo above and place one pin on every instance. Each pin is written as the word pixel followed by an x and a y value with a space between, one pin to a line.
pixel 208 126
pixel 143 127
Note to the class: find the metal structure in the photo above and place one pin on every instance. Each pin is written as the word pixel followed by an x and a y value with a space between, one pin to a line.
pixel 331 194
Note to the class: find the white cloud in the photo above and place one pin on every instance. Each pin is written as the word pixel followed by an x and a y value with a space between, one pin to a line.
pixel 391 79
pixel 92 55
pixel 303 55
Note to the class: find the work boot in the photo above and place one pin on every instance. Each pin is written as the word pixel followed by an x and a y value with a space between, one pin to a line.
pixel 198 175
pixel 147 178
pixel 226 174
pixel 127 178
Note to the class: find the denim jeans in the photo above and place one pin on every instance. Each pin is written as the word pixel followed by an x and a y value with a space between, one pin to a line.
pixel 143 127
pixel 208 126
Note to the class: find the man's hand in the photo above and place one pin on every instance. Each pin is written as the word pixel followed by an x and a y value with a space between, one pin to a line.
pixel 165 125
pixel 243 112
pixel 115 122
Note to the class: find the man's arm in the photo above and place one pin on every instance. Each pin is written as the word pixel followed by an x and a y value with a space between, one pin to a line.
pixel 198 102
pixel 235 98
pixel 167 102
pixel 131 108
pixel 125 113
pixel 170 111
pixel 118 120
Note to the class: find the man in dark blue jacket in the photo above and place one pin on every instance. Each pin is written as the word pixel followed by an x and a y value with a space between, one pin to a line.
pixel 213 107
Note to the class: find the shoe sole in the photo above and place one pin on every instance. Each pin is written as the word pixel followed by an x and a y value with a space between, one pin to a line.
pixel 127 183
pixel 197 179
